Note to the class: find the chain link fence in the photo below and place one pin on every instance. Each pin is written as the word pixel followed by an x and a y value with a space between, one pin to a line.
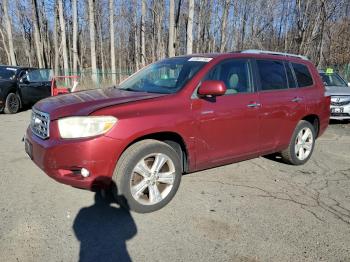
pixel 343 70
pixel 104 78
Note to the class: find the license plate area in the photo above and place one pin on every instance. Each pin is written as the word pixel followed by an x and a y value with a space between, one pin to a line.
pixel 28 148
pixel 337 110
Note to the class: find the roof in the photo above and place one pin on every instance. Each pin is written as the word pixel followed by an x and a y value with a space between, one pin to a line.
pixel 248 53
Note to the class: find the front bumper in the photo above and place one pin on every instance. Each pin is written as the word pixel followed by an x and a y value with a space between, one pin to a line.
pixel 63 159
pixel 340 112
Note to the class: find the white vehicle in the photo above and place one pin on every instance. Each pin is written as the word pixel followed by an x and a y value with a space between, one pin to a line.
pixel 339 91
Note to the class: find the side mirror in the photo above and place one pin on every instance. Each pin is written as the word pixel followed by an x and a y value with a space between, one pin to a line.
pixel 212 88
pixel 24 80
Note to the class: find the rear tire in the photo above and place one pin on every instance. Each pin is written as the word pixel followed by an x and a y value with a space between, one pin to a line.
pixel 12 104
pixel 147 176
pixel 301 144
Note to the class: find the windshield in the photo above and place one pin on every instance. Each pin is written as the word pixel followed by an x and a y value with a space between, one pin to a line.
pixel 333 80
pixel 7 73
pixel 166 77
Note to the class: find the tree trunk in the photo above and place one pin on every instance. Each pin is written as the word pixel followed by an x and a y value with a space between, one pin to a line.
pixel 286 29
pixel 171 50
pixel 244 23
pixel 37 38
pixel 111 32
pixel 136 40
pixel 92 41
pixel 5 47
pixel 55 42
pixel 100 38
pixel 143 43
pixel 9 33
pixel 223 26
pixel 176 28
pixel 63 37
pixel 189 37
pixel 20 14
pixel 75 36
pixel 160 44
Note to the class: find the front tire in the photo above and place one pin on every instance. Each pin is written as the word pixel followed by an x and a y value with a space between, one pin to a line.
pixel 12 104
pixel 301 145
pixel 147 176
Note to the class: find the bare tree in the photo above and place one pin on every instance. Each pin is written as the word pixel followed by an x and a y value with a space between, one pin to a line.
pixel 189 41
pixel 9 33
pixel 99 25
pixel 136 40
pixel 111 33
pixel 92 40
pixel 141 31
pixel 171 49
pixel 5 46
pixel 223 32
pixel 20 14
pixel 63 37
pixel 75 36
pixel 55 41
pixel 37 37
pixel 143 41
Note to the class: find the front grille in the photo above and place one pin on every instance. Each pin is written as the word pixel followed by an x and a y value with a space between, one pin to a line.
pixel 340 100
pixel 339 114
pixel 344 103
pixel 40 124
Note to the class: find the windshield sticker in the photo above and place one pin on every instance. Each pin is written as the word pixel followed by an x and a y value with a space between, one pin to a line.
pixel 200 59
pixel 329 71
pixel 12 69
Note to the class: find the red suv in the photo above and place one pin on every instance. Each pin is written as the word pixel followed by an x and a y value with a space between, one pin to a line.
pixel 176 116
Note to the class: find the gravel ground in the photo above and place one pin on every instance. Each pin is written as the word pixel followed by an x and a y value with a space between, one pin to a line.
pixel 256 210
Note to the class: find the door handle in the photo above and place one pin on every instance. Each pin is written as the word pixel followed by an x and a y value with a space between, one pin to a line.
pixel 297 99
pixel 254 105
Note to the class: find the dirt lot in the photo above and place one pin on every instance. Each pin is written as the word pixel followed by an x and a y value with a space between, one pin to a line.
pixel 257 210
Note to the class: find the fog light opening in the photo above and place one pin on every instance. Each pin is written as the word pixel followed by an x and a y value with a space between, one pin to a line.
pixel 84 172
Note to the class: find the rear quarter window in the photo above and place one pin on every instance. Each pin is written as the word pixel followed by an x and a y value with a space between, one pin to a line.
pixel 302 75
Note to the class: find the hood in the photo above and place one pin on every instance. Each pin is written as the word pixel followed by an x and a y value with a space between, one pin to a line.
pixel 338 90
pixel 85 102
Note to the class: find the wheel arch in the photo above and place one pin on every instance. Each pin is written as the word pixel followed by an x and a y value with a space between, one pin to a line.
pixel 314 120
pixel 15 90
pixel 174 140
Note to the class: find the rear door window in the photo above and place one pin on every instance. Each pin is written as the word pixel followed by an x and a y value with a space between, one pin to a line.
pixel 272 75
pixel 302 75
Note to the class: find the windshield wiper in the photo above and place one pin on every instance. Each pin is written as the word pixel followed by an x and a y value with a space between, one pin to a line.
pixel 133 90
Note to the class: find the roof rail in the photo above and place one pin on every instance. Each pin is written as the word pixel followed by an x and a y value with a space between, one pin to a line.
pixel 256 51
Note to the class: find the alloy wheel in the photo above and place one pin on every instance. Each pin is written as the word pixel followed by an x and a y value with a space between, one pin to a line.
pixel 304 143
pixel 152 179
pixel 13 103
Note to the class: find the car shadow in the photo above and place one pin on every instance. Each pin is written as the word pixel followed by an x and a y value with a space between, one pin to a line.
pixel 103 230
pixel 276 157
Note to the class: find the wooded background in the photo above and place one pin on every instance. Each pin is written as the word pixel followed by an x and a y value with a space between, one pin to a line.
pixel 105 40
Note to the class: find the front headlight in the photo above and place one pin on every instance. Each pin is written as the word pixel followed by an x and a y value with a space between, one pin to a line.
pixel 85 126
